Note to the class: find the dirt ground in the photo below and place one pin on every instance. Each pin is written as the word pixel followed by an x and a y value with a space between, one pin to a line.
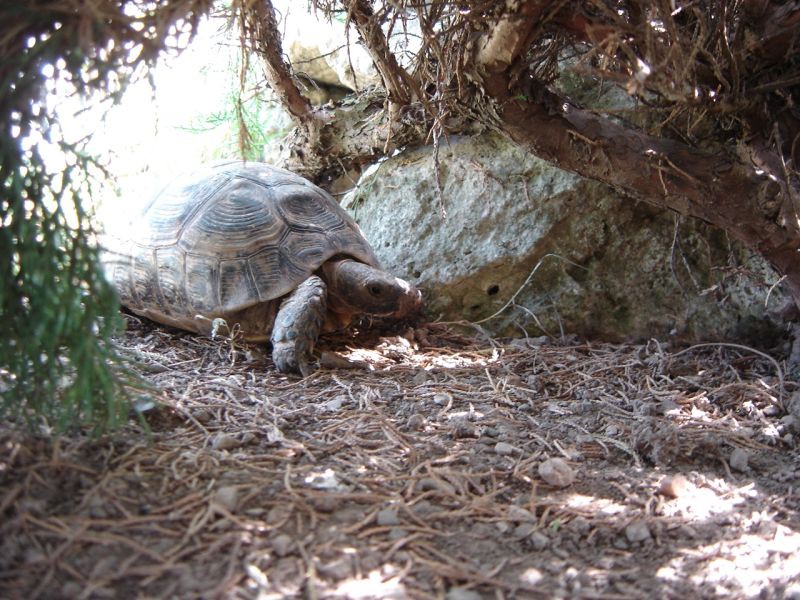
pixel 450 467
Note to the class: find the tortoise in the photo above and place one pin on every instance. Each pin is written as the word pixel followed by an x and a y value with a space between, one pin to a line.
pixel 259 247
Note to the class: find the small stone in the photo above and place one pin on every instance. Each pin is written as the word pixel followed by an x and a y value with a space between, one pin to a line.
pixel 338 569
pixel 539 540
pixel 637 531
pixel 523 530
pixel 793 592
pixel 504 448
pixel 225 441
pixel 416 422
pixel 515 380
pixel 277 515
pixel 397 533
pixel 71 589
pixel 202 416
pixel 335 404
pixel 674 486
pixel 420 377
pixel 325 504
pixel 388 517
pixel 793 407
pixel 441 399
pixel 503 526
pixel 282 545
pixel 427 484
pixel 97 508
pixel 227 497
pixel 739 459
pixel 519 514
pixel 459 593
pixel 462 428
pixel 556 472
pixel 791 423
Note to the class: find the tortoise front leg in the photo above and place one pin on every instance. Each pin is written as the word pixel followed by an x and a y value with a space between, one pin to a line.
pixel 298 325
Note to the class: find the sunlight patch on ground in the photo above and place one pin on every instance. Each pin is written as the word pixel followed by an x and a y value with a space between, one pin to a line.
pixel 375 585
pixel 602 506
pixel 702 502
pixel 399 346
pixel 741 565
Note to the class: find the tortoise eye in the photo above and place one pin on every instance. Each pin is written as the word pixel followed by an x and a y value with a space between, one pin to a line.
pixel 375 290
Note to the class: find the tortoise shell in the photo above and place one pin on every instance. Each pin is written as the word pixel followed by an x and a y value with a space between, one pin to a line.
pixel 228 240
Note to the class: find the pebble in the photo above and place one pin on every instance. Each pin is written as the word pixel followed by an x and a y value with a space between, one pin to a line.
pixel 427 484
pixel 202 416
pixel 504 448
pixel 416 422
pixel 225 441
pixel 793 592
pixel 539 540
pixel 97 508
pixel 523 530
pixel 793 407
pixel 278 514
pixel 335 404
pixel 739 459
pixel 71 589
pixel 791 423
pixel 517 513
pixel 464 429
pixel 556 472
pixel 420 377
pixel 637 531
pixel 227 497
pixel 674 486
pixel 282 545
pixel 441 399
pixel 388 517
pixel 338 569
pixel 325 504
pixel 397 533
pixel 459 593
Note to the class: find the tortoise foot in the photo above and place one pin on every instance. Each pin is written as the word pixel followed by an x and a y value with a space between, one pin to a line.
pixel 297 327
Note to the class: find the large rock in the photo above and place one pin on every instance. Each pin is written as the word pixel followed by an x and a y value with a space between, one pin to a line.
pixel 573 255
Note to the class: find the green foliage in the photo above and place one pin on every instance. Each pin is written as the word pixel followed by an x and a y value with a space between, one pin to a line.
pixel 246 120
pixel 58 366
pixel 58 312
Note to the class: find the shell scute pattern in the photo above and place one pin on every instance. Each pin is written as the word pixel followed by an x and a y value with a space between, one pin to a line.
pixel 228 237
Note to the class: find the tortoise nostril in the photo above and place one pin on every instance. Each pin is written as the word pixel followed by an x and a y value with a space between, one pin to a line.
pixel 375 290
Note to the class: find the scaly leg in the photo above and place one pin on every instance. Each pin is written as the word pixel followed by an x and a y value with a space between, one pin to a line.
pixel 297 327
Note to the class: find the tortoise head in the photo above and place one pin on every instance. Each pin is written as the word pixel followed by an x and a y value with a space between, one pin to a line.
pixel 356 288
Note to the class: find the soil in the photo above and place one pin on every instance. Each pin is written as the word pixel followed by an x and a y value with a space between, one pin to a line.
pixel 446 466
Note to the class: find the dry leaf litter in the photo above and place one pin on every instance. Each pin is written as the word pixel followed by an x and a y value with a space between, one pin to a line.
pixel 445 467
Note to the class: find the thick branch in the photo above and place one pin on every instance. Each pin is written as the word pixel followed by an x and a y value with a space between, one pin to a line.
pixel 509 37
pixel 396 80
pixel 258 23
pixel 717 187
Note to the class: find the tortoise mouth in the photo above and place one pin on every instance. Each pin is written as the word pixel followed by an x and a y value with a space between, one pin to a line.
pixel 411 303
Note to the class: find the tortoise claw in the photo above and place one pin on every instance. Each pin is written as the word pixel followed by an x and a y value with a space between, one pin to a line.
pixel 297 327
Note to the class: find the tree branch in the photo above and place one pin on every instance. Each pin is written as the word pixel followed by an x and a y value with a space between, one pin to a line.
pixel 510 36
pixel 720 188
pixel 259 26
pixel 396 80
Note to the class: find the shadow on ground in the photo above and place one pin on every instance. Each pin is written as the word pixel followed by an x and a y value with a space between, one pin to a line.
pixel 421 476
